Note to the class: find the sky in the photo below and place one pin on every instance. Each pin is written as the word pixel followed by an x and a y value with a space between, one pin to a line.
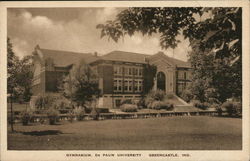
pixel 74 29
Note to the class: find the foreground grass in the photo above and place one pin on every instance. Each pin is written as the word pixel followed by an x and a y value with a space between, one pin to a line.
pixel 168 133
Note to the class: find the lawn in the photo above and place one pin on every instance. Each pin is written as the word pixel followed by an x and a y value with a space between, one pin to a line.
pixel 166 133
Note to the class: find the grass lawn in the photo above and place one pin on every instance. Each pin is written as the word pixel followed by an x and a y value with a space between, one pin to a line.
pixel 166 133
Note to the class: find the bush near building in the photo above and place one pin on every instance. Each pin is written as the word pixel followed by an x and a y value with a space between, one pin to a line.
pixel 162 105
pixel 201 105
pixel 129 108
pixel 233 108
pixel 52 115
pixel 158 99
pixel 26 117
pixel 79 112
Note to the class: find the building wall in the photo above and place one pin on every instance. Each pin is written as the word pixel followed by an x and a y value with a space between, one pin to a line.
pixel 38 82
pixel 53 79
pixel 183 79
pixel 169 71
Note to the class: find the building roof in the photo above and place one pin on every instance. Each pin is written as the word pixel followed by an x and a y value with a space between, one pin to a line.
pixel 65 58
pixel 125 57
pixel 140 58
pixel 177 62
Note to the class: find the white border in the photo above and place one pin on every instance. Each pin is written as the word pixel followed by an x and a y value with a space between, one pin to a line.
pixel 61 155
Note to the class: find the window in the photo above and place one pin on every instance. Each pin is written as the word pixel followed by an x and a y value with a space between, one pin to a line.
pixel 117 102
pixel 185 75
pixel 117 70
pixel 117 85
pixel 140 72
pixel 181 86
pixel 138 86
pixel 136 71
pixel 130 71
pixel 128 85
pixel 125 71
pixel 125 85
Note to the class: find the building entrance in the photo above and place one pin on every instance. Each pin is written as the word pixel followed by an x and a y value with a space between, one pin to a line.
pixel 161 81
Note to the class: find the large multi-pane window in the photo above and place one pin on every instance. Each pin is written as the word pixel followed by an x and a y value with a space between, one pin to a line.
pixel 118 85
pixel 138 85
pixel 128 85
pixel 131 82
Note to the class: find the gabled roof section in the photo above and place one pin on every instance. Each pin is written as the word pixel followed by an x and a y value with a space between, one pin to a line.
pixel 176 62
pixel 125 57
pixel 65 58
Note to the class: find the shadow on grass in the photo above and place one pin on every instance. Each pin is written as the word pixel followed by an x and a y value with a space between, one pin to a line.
pixel 42 133
pixel 228 116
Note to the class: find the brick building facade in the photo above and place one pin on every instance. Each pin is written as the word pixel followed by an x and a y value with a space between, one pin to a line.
pixel 122 75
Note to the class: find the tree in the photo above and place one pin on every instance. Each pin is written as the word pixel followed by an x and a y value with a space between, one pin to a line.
pixel 19 75
pixel 216 41
pixel 81 84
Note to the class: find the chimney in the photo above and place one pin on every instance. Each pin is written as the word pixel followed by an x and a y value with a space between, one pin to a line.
pixel 95 54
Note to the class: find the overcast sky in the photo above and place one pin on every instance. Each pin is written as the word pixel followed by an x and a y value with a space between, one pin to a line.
pixel 75 30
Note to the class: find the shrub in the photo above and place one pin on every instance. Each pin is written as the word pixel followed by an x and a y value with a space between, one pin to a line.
pixel 94 114
pixel 196 103
pixel 187 95
pixel 88 110
pixel 213 101
pixel 44 102
pixel 61 103
pixel 154 95
pixel 52 115
pixel 156 105
pixel 141 104
pixel 167 106
pixel 126 101
pixel 102 110
pixel 128 108
pixel 159 105
pixel 26 117
pixel 233 108
pixel 79 113
pixel 201 105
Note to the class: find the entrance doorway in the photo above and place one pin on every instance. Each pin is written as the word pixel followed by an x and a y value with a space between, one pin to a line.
pixel 161 81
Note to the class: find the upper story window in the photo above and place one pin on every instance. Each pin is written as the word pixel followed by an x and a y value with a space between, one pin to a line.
pixel 185 75
pixel 128 71
pixel 136 71
pixel 118 85
pixel 117 70
pixel 140 72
